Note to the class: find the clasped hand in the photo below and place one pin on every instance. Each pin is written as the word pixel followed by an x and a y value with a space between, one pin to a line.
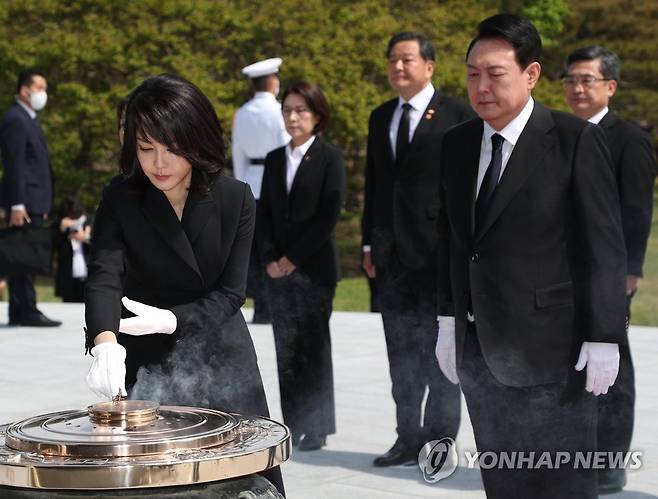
pixel 280 268
pixel 147 320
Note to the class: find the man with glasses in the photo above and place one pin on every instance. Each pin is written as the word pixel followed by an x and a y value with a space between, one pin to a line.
pixel 590 81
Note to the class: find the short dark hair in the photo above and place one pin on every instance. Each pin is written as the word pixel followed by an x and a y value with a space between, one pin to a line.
pixel 71 207
pixel 425 47
pixel 315 100
pixel 610 65
pixel 26 77
pixel 174 112
pixel 517 31
pixel 260 83
pixel 121 113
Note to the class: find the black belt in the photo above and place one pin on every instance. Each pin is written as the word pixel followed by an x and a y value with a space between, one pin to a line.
pixel 257 161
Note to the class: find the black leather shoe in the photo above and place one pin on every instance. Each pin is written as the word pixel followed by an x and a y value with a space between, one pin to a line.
pixel 611 481
pixel 398 455
pixel 39 321
pixel 312 442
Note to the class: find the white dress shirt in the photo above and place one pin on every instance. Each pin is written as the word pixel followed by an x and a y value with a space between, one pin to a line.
pixel 28 109
pixel 596 119
pixel 418 103
pixel 294 156
pixel 510 133
pixel 257 129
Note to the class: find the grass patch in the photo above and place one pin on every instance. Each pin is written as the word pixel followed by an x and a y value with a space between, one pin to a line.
pixel 644 311
pixel 352 293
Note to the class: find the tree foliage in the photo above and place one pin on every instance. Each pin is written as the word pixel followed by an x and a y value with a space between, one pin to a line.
pixel 94 52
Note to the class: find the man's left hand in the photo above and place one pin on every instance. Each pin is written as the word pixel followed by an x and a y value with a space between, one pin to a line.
pixel 602 361
pixel 19 217
pixel 147 320
pixel 631 284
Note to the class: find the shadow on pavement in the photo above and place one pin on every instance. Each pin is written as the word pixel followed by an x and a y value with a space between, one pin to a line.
pixel 461 479
pixel 630 494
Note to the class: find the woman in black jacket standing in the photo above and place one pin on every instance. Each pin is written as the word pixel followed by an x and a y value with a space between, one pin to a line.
pixel 301 199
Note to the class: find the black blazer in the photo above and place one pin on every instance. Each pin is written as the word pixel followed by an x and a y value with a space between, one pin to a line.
pixel 300 225
pixel 546 271
pixel 635 169
pixel 405 199
pixel 197 268
pixel 28 177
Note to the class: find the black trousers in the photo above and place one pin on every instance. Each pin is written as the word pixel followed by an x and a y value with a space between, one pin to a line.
pixel 22 295
pixel 301 309
pixel 256 287
pixel 556 417
pixel 616 409
pixel 408 307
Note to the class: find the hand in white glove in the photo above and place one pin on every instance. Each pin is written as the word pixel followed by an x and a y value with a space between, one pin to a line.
pixel 602 361
pixel 107 374
pixel 148 319
pixel 446 352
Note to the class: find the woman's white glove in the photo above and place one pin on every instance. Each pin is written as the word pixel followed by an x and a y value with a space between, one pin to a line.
pixel 107 374
pixel 602 361
pixel 147 320
pixel 445 351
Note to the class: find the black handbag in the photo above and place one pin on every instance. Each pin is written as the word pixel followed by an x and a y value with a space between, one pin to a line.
pixel 26 250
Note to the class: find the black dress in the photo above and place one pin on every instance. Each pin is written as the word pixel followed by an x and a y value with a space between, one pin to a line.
pixel 195 267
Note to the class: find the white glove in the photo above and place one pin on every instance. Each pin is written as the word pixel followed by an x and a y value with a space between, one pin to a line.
pixel 107 374
pixel 445 351
pixel 148 319
pixel 602 361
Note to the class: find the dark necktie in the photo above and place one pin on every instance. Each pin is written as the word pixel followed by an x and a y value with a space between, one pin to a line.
pixel 402 140
pixel 490 180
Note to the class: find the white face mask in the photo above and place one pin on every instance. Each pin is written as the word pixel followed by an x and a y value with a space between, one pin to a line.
pixel 38 100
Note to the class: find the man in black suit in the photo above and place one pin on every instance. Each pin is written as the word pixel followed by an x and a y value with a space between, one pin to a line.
pixel 531 271
pixel 591 78
pixel 27 186
pixel 399 241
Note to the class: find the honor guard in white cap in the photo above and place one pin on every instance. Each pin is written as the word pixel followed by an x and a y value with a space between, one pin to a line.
pixel 258 124
pixel 258 129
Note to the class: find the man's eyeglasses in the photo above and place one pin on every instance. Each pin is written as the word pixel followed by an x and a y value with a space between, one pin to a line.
pixel 584 80
pixel 301 111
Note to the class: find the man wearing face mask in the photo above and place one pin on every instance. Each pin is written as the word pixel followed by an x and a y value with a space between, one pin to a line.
pixel 27 184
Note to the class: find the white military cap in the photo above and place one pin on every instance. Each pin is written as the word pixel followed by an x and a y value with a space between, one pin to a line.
pixel 263 68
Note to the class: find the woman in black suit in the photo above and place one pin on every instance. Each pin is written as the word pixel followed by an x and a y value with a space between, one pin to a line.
pixel 172 236
pixel 72 243
pixel 301 199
